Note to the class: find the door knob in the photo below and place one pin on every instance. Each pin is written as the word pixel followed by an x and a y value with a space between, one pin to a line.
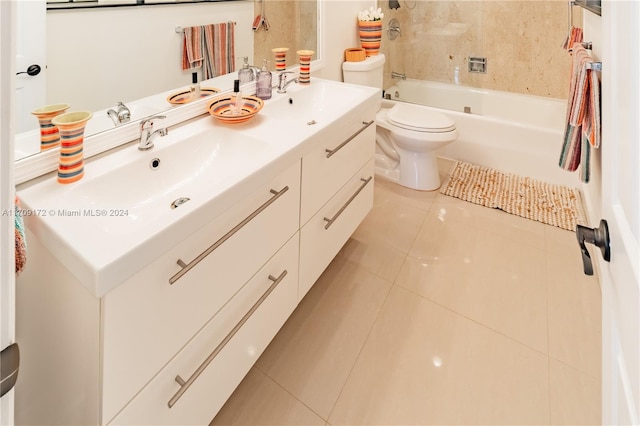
pixel 599 237
pixel 31 70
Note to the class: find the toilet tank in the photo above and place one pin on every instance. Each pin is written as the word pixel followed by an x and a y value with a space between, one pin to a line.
pixel 364 73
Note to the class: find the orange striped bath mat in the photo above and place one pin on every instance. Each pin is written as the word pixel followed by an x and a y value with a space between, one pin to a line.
pixel 555 205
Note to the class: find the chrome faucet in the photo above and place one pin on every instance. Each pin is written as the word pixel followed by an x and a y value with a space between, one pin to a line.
pixel 283 83
pixel 147 133
pixel 398 75
pixel 120 115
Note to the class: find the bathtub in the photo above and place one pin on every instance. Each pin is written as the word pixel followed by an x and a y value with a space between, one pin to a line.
pixel 511 132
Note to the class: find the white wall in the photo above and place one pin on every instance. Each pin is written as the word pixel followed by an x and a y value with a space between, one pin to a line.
pixel 97 57
pixel 340 25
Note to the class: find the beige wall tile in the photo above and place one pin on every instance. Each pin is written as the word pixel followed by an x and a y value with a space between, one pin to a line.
pixel 520 39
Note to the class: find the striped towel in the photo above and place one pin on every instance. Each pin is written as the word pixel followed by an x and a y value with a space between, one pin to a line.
pixel 582 131
pixel 191 48
pixel 219 49
pixel 211 47
pixel 574 36
pixel 21 240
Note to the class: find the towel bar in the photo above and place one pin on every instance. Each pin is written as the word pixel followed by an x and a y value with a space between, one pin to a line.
pixel 594 66
pixel 180 29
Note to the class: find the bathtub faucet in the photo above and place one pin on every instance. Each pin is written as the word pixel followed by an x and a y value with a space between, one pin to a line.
pixel 398 75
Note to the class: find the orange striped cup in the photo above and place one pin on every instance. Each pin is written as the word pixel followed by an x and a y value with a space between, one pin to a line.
pixel 281 57
pixel 71 162
pixel 305 66
pixel 49 134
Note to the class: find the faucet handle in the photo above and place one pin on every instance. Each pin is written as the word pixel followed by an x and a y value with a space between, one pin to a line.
pixel 148 122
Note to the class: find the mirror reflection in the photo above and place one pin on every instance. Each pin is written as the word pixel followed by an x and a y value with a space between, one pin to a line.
pixel 132 67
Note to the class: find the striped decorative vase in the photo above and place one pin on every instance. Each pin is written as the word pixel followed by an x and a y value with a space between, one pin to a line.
pixel 49 135
pixel 305 66
pixel 281 57
pixel 71 126
pixel 370 33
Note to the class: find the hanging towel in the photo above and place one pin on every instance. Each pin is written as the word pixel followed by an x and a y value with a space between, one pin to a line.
pixel 211 47
pixel 191 48
pixel 219 49
pixel 574 36
pixel 582 129
pixel 21 239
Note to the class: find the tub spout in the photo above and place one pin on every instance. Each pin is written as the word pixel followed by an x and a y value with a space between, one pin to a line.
pixel 398 75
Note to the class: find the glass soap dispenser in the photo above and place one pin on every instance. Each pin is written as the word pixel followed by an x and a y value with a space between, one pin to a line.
pixel 263 86
pixel 245 74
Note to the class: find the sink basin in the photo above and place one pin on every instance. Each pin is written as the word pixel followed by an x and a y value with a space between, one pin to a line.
pixel 132 206
pixel 133 200
pixel 320 101
pixel 153 181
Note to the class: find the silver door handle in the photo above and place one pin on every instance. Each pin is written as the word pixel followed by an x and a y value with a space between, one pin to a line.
pixel 335 216
pixel 185 384
pixel 330 152
pixel 186 267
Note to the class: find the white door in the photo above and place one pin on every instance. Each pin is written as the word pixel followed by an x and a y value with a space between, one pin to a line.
pixel 620 194
pixel 7 278
pixel 30 51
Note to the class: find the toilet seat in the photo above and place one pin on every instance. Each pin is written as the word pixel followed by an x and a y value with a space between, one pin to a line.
pixel 419 119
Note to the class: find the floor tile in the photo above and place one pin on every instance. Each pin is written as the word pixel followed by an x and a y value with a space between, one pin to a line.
pixel 525 231
pixel 313 353
pixel 393 223
pixel 424 364
pixel 376 257
pixel 258 400
pixel 574 313
pixel 493 280
pixel 387 192
pixel 575 396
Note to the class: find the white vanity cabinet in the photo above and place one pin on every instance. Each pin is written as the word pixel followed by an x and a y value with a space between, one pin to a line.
pixel 337 191
pixel 147 320
pixel 117 357
pixel 168 340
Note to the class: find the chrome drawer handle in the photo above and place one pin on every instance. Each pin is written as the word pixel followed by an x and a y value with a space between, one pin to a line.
pixel 330 152
pixel 335 216
pixel 185 384
pixel 187 267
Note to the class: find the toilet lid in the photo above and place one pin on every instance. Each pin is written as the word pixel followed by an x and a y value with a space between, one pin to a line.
pixel 420 119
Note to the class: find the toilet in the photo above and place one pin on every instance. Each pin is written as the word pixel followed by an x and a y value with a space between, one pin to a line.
pixel 406 134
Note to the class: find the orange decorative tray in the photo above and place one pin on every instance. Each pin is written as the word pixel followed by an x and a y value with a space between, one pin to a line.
pixel 223 109
pixel 184 96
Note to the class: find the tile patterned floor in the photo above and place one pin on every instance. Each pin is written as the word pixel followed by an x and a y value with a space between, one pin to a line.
pixel 436 311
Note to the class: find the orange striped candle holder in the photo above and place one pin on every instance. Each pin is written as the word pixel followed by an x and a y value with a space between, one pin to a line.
pixel 71 126
pixel 370 33
pixel 281 57
pixel 305 66
pixel 49 134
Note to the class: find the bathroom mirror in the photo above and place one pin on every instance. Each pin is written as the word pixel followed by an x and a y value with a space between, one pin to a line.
pixel 136 65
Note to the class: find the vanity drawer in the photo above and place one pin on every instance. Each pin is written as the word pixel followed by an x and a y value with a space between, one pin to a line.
pixel 147 320
pixel 338 157
pixel 321 239
pixel 218 379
